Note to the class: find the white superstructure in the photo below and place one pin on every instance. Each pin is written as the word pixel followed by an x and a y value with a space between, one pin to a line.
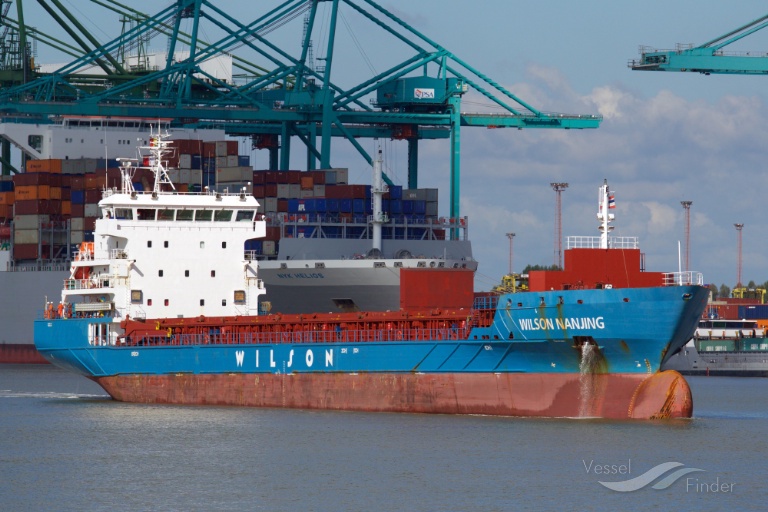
pixel 164 254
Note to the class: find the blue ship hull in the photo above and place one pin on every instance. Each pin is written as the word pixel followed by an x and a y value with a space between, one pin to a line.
pixel 627 333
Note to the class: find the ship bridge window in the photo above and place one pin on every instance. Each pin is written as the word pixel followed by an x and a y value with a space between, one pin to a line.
pixel 124 213
pixel 203 215
pixel 185 214
pixel 239 296
pixel 223 216
pixel 165 214
pixel 244 215
pixel 146 213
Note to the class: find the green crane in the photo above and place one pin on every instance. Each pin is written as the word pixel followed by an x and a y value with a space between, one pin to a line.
pixel 709 57
pixel 282 96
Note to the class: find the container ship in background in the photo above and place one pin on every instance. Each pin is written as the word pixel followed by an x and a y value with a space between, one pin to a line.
pixel 317 253
pixel 163 307
pixel 730 340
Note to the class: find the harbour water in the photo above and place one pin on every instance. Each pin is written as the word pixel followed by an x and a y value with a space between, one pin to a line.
pixel 65 445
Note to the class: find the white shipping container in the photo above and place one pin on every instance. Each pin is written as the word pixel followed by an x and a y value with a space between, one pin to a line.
pixel 307 193
pixel 77 237
pixel 342 176
pixel 294 191
pixel 268 247
pixel 232 161
pixel 77 224
pixel 29 221
pixel 195 176
pixel 221 161
pixel 234 174
pixel 221 148
pixel 25 236
pixel 270 204
pixel 173 175
pixel 319 190
pixel 283 190
pixel 89 165
pixel 185 161
pixel 92 210
pixel 184 175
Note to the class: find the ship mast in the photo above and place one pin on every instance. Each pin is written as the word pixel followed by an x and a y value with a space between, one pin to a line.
pixel 605 203
pixel 377 191
pixel 159 150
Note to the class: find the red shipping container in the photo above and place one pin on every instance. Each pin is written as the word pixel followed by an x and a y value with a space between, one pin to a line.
pixel 428 288
pixel 92 196
pixel 6 211
pixel 273 233
pixel 25 251
pixel 95 181
pixel 258 191
pixel 318 177
pixel 89 224
pixel 282 177
pixel 66 193
pixel 77 182
pixel 294 177
pixel 78 210
pixel 282 205
pixel 38 207
pixel 209 150
pixel 270 190
pixel 271 177
pixel 258 177
pixel 32 178
pixel 231 148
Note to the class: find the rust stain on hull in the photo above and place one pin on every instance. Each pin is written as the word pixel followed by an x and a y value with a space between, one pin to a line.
pixel 615 396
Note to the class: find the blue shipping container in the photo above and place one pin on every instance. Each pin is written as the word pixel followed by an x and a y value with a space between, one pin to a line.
pixel 243 160
pixel 78 196
pixel 345 205
pixel 396 192
pixel 197 162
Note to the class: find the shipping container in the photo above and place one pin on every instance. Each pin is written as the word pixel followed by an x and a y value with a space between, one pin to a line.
pixel 294 190
pixel 33 178
pixel 268 247
pixel 78 210
pixel 221 149
pixel 92 196
pixel 91 210
pixel 307 183
pixel 270 204
pixel 6 184
pixel 77 223
pixel 38 207
pixel 283 191
pixel 30 221
pixel 25 251
pixel 307 193
pixel 49 166
pixel 753 312
pixel 243 161
pixel 6 198
pixel 26 236
pixel 232 161
pixel 185 161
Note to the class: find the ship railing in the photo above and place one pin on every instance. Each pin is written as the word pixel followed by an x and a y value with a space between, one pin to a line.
pixel 593 242
pixel 683 278
pixel 88 284
pixel 458 331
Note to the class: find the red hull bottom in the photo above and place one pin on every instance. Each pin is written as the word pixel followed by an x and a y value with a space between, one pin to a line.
pixel 615 396
pixel 13 353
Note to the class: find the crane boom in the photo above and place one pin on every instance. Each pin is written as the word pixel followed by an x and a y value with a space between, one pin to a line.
pixel 709 57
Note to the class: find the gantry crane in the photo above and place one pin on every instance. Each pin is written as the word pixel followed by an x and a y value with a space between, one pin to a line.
pixel 709 57
pixel 283 96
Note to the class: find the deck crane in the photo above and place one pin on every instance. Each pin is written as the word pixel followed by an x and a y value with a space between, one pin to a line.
pixel 709 57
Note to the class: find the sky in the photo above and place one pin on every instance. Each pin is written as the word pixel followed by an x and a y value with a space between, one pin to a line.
pixel 665 138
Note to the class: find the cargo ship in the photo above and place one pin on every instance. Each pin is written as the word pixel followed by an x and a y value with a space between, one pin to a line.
pixel 163 308
pixel 727 348
pixel 317 254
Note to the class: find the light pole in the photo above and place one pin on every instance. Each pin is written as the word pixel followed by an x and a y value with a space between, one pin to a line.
pixel 510 236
